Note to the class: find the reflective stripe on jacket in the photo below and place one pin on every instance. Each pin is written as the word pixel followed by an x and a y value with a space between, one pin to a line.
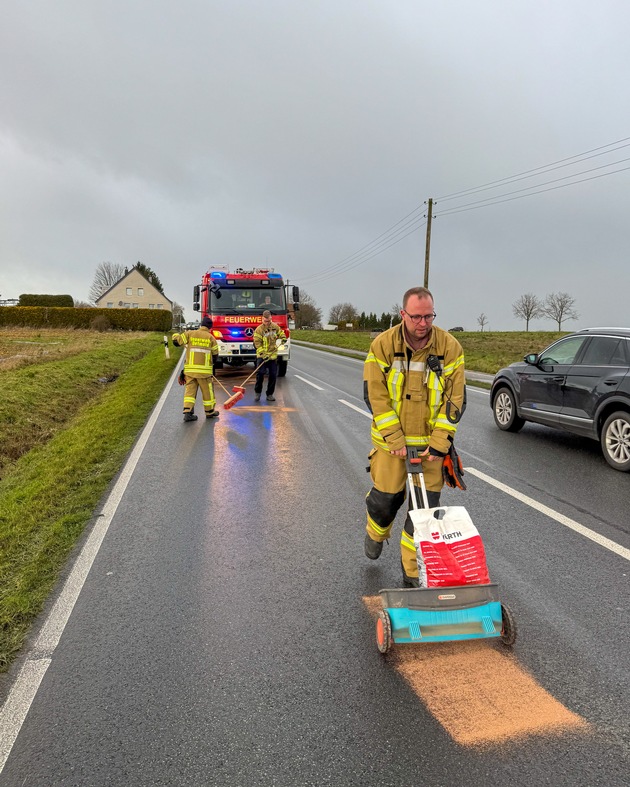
pixel 265 340
pixel 405 397
pixel 200 346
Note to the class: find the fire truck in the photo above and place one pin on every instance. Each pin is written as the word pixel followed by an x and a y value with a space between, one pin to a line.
pixel 235 302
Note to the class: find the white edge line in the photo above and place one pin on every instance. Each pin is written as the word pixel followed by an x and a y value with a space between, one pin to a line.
pixel 23 691
pixel 304 380
pixel 354 407
pixel 563 520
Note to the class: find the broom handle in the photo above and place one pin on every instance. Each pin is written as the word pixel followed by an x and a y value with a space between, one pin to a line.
pixel 247 379
pixel 216 379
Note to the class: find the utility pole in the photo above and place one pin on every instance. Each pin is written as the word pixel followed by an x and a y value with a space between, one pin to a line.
pixel 428 243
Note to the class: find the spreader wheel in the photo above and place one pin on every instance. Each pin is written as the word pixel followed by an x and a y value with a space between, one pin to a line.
pixel 508 630
pixel 383 632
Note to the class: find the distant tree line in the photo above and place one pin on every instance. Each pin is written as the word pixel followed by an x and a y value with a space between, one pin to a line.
pixel 558 306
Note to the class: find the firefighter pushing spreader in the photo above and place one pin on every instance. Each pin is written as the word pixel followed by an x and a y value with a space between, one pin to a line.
pixel 455 599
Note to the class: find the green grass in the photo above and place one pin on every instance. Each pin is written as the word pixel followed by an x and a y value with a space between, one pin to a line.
pixel 50 493
pixel 484 351
pixel 38 399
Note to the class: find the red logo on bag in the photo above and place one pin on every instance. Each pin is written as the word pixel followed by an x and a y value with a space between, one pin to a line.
pixel 435 536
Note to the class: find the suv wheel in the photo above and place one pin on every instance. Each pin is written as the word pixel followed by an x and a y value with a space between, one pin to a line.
pixel 504 409
pixel 615 441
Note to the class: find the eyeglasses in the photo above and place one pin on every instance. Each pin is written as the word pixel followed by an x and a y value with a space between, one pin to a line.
pixel 421 317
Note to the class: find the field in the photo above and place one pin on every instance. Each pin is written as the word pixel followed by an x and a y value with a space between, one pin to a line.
pixel 484 351
pixel 73 403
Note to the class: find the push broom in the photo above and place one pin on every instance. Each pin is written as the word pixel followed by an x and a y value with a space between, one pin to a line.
pixel 239 392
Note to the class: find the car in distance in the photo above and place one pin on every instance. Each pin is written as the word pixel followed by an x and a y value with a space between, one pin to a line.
pixel 581 383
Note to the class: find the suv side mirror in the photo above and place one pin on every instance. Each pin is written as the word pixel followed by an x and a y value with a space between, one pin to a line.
pixel 531 359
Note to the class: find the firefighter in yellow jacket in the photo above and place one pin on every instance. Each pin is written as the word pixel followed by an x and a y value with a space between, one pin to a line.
pixel 265 338
pixel 414 387
pixel 201 348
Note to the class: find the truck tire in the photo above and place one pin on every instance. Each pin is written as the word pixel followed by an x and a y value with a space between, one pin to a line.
pixel 282 367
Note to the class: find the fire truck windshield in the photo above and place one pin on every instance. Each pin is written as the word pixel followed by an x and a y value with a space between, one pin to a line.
pixel 250 301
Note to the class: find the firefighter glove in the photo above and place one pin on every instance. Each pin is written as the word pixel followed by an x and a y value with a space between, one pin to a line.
pixel 452 469
pixel 182 378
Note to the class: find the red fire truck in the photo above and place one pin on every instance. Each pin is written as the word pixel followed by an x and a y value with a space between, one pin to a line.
pixel 236 301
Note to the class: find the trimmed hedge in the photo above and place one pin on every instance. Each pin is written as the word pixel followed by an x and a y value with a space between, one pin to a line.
pixel 57 317
pixel 46 300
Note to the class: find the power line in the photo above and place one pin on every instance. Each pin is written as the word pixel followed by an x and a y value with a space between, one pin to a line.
pixel 546 167
pixel 390 238
pixel 360 262
pixel 477 205
pixel 361 255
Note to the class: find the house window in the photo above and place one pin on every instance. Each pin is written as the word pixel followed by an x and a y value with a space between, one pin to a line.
pixel 127 306
pixel 159 305
pixel 134 305
pixel 129 291
pixel 110 304
pixel 140 290
pixel 151 306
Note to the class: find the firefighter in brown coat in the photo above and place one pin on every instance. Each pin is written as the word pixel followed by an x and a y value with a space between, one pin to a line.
pixel 201 348
pixel 414 386
pixel 265 338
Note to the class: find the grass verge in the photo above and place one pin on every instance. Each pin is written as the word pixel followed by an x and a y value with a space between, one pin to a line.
pixel 51 492
pixel 40 398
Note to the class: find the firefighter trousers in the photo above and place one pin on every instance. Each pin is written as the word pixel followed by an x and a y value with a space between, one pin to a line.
pixel 389 478
pixel 190 393
pixel 271 366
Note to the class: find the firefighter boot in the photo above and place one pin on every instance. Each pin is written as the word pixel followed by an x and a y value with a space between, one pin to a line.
pixel 409 582
pixel 372 548
pixel 212 414
pixel 190 416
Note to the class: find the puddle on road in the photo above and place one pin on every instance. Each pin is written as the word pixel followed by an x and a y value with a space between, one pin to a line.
pixel 480 695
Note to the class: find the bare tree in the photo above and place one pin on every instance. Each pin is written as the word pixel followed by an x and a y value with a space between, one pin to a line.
pixel 395 314
pixel 178 314
pixel 527 307
pixel 82 304
pixel 482 320
pixel 310 314
pixel 559 306
pixel 107 274
pixel 342 312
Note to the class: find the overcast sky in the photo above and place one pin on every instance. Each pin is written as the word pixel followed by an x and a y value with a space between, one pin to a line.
pixel 300 135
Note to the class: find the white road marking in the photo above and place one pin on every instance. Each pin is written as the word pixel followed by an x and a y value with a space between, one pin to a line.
pixel 476 389
pixel 23 691
pixel 563 520
pixel 308 382
pixel 354 407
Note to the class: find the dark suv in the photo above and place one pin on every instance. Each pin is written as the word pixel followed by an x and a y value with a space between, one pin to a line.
pixel 580 383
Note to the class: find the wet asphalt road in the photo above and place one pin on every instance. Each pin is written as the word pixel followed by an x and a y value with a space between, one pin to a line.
pixel 221 637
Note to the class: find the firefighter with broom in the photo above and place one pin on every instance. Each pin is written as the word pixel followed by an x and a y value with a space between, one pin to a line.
pixel 201 348
pixel 414 386
pixel 265 338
